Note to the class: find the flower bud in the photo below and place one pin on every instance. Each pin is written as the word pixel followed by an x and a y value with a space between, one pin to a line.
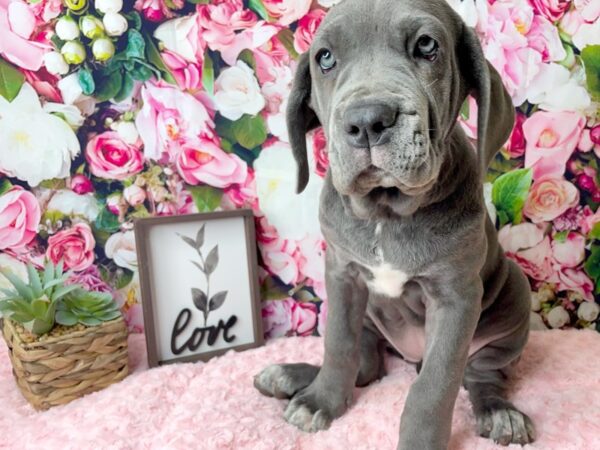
pixel 80 184
pixel 558 317
pixel 55 63
pixel 91 27
pixel 114 24
pixel 73 52
pixel 109 6
pixel 76 6
pixel 127 131
pixel 66 29
pixel 595 135
pixel 103 49
pixel 114 203
pixel 586 183
pixel 134 195
pixel 588 311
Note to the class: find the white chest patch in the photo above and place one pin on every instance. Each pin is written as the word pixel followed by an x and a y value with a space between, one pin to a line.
pixel 387 281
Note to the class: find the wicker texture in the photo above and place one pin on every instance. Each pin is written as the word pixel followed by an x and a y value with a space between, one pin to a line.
pixel 59 369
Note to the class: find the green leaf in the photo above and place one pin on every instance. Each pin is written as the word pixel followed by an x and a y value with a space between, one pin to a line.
pixel 206 198
pixel 107 221
pixel 90 321
pixel 66 318
pixel 86 81
pixel 595 232
pixel 153 56
pixel 592 264
pixel 11 80
pixel 286 37
pixel 64 290
pixel 24 291
pixel 258 7
pixel 39 308
pixel 134 20
pixel 208 74
pixel 126 88
pixel 561 237
pixel 591 61
pixel 5 186
pixel 141 73
pixel 123 279
pixel 250 131
pixel 110 315
pixel 38 327
pixel 509 194
pixel 34 280
pixel 224 128
pixel 465 111
pixel 248 57
pixel 48 273
pixel 109 86
pixel 135 44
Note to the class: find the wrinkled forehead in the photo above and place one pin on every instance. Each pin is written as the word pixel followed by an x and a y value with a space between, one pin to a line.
pixel 354 24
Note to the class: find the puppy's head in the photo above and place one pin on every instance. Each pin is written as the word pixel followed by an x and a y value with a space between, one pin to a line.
pixel 386 80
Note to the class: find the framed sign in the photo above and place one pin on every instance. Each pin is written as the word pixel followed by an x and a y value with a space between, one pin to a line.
pixel 199 285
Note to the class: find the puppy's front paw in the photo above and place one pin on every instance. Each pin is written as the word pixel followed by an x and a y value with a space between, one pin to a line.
pixel 313 410
pixel 506 426
pixel 284 380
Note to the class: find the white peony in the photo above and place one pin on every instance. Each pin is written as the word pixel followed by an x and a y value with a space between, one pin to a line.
pixel 14 266
pixel 71 93
pixel 237 92
pixel 36 145
pixel 294 216
pixel 558 317
pixel 120 247
pixel 556 89
pixel 55 63
pixel 68 112
pixel 588 311
pixel 71 204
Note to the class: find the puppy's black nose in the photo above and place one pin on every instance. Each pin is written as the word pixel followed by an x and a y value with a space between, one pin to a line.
pixel 367 125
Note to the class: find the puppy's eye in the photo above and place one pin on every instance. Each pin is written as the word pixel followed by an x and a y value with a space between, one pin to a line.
pixel 326 60
pixel 427 48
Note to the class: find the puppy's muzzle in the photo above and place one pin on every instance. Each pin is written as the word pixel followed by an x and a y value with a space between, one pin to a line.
pixel 367 125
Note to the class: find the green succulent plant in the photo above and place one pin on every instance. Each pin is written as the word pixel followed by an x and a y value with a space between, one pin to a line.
pixel 34 304
pixel 88 308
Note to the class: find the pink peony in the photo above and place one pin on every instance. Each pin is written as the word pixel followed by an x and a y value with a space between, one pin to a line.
pixel 543 37
pixel 221 20
pixel 570 252
pixel 281 258
pixel 169 117
pixel 288 317
pixel 552 10
pixel 17 39
pixel 270 54
pixel 45 84
pixel 527 245
pixel 589 9
pixel 243 195
pixel 307 27
pixel 202 161
pixel 110 157
pixel 549 198
pixel 134 195
pixel 574 280
pixel 187 74
pixel 304 318
pixel 19 218
pixel 158 10
pixel 551 139
pixel 319 142
pixel 74 246
pixel 589 219
pixel 287 11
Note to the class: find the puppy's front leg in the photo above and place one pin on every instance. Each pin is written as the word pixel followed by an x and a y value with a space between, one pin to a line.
pixel 328 396
pixel 453 310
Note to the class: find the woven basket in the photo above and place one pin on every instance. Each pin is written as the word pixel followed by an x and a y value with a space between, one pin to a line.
pixel 60 369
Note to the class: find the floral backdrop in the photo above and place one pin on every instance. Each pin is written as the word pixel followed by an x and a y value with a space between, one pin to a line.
pixel 112 110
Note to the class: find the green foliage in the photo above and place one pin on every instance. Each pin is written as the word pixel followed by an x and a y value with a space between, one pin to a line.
pixel 34 305
pixel 87 308
pixel 591 60
pixel 5 186
pixel 206 198
pixel 258 7
pixel 154 58
pixel 509 194
pixel 286 37
pixel 592 266
pixel 249 131
pixel 11 80
pixel 208 74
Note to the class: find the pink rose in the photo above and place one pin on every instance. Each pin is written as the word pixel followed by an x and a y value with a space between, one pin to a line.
pixel 304 318
pixel 75 247
pixel 288 317
pixel 111 158
pixel 516 143
pixel 243 195
pixel 80 184
pixel 158 10
pixel 19 218
pixel 307 27
pixel 319 142
pixel 187 74
pixel 134 195
pixel 169 117
pixel 570 252
pixel 589 219
pixel 202 161
pixel 552 10
pixel 551 139
pixel 589 9
pixel 287 11
pixel 17 39
pixel 543 37
pixel 221 20
pixel 574 280
pixel 549 198
pixel 527 245
pixel 269 55
pixel 281 258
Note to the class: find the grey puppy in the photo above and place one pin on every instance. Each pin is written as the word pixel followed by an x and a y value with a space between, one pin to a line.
pixel 413 260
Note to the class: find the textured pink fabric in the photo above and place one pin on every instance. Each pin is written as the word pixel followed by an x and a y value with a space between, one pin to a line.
pixel 214 406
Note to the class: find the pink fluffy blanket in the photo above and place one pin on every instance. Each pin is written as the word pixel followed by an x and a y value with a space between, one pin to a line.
pixel 214 405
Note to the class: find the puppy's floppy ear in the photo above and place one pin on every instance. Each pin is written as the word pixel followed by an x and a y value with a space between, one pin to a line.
pixel 496 113
pixel 301 118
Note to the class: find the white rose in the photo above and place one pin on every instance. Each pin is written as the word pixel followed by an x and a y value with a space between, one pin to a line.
pixel 55 63
pixel 120 247
pixel 237 92
pixel 588 311
pixel 109 6
pixel 36 146
pixel 114 24
pixel 71 204
pixel 294 216
pixel 127 131
pixel 555 89
pixel 71 93
pixel 276 94
pixel 16 267
pixel 558 317
pixel 69 112
pixel 66 29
